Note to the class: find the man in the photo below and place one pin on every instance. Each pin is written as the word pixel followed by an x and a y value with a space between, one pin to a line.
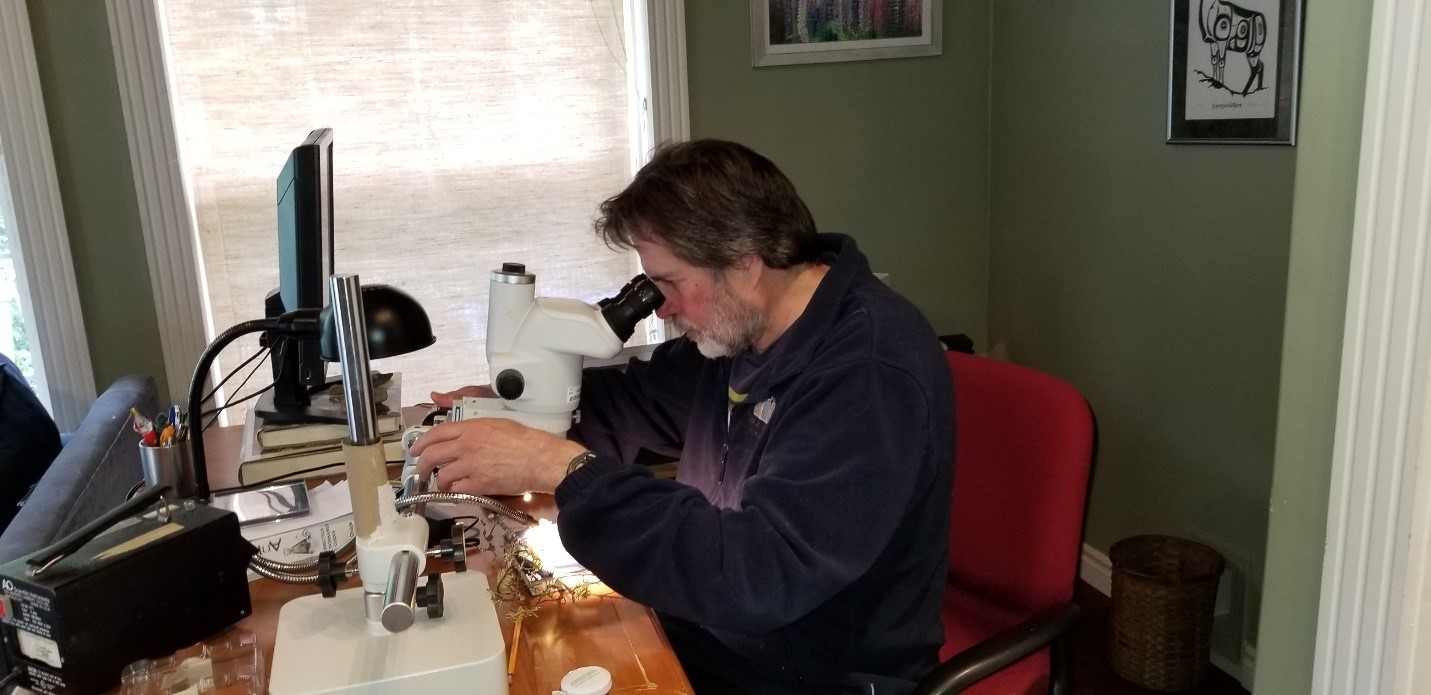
pixel 29 440
pixel 802 547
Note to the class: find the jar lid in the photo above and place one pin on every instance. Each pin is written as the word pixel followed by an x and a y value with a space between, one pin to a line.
pixel 587 680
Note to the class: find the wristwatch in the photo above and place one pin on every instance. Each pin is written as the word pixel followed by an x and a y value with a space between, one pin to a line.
pixel 580 460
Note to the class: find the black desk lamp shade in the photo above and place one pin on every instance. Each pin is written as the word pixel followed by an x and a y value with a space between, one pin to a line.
pixel 397 324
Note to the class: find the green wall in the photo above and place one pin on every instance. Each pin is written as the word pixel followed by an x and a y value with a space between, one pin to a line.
pixel 81 95
pixel 893 152
pixel 1334 75
pixel 1151 276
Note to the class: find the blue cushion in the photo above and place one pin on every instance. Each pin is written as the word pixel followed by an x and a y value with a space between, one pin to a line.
pixel 92 474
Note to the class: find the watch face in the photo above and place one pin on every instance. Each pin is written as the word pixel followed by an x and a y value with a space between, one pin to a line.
pixel 580 460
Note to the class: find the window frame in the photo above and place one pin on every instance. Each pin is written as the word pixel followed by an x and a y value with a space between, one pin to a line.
pixel 49 293
pixel 659 108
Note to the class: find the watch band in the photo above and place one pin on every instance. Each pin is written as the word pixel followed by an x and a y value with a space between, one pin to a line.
pixel 579 460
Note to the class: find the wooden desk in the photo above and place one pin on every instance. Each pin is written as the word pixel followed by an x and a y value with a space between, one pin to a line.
pixel 617 634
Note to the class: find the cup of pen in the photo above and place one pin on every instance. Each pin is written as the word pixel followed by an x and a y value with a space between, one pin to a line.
pixel 168 463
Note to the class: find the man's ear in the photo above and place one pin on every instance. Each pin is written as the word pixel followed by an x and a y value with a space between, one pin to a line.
pixel 749 267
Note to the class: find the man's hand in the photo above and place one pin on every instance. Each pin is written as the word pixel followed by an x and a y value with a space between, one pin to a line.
pixel 493 456
pixel 445 399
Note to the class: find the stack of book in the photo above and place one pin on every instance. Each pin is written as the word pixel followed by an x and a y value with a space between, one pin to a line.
pixel 273 452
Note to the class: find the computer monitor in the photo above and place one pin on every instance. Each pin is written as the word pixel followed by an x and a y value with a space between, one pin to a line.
pixel 305 260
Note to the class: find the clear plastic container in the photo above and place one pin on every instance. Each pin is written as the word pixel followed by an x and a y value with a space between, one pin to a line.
pixel 229 663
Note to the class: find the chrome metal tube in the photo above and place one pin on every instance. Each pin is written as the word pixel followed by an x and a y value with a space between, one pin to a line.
pixel 401 595
pixel 411 487
pixel 285 577
pixel 487 503
pixel 347 299
pixel 298 567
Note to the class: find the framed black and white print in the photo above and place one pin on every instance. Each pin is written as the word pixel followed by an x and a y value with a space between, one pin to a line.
pixel 1233 71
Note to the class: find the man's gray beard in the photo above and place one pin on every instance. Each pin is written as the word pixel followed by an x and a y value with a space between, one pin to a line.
pixel 733 329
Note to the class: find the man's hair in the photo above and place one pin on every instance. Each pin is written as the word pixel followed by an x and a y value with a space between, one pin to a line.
pixel 711 202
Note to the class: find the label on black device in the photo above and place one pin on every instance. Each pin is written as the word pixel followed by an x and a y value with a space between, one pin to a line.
pixel 28 610
pixel 46 682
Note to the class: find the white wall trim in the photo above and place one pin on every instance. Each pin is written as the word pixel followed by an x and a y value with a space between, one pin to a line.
pixel 40 239
pixel 1362 619
pixel 175 273
pixel 1096 569
pixel 1241 670
pixel 671 107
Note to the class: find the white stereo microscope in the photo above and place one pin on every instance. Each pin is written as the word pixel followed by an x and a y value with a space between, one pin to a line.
pixel 372 640
pixel 535 346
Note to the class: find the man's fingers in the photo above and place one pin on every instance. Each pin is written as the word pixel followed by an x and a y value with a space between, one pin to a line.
pixel 434 454
pixel 442 432
pixel 445 399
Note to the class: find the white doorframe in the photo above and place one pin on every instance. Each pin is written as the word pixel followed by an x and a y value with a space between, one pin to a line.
pixel 1376 521
pixel 50 297
pixel 176 273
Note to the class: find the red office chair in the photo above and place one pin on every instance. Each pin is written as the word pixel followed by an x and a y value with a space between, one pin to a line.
pixel 1023 448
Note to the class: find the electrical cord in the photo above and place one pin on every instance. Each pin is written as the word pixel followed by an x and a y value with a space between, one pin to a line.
pixel 11 682
pixel 257 355
pixel 215 412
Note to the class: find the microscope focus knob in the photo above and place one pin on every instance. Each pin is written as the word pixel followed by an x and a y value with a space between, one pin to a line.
pixel 331 573
pixel 510 384
pixel 455 549
pixel 431 596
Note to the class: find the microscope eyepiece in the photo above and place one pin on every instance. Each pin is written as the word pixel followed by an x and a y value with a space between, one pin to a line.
pixel 634 302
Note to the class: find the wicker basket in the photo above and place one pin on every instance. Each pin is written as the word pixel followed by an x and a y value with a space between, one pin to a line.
pixel 1164 590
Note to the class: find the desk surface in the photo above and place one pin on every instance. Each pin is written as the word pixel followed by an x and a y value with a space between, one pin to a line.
pixel 617 634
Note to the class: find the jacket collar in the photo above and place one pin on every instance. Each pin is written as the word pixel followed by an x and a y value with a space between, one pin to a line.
pixel 848 268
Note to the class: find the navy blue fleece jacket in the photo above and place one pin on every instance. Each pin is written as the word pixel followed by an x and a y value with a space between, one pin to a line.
pixel 806 532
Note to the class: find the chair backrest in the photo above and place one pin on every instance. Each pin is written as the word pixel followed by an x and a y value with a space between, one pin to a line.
pixel 92 474
pixel 1022 454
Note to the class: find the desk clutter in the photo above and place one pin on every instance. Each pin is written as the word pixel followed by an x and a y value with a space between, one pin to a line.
pixel 140 580
pixel 164 449
pixel 275 452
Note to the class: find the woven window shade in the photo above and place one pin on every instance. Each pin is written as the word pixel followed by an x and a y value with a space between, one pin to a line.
pixel 466 133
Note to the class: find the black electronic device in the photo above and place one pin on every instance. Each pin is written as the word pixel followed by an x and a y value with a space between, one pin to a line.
pixel 76 613
pixel 305 260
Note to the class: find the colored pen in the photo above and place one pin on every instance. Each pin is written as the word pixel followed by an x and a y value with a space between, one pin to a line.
pixel 142 424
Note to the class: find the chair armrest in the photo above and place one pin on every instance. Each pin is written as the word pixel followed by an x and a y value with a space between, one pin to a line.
pixel 970 666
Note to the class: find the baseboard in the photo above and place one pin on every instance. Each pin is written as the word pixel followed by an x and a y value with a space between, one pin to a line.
pixel 1096 570
pixel 1243 671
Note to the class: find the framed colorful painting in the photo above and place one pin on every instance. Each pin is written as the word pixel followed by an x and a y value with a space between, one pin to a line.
pixel 785 32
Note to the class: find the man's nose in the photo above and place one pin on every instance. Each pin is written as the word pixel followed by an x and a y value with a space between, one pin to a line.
pixel 666 310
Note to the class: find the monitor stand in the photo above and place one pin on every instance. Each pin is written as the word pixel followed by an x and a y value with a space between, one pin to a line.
pixel 325 403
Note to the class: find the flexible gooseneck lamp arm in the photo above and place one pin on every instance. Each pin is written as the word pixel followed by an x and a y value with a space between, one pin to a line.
pixel 303 323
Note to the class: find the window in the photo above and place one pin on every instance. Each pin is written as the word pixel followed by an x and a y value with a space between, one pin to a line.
pixel 14 339
pixel 40 317
pixel 467 134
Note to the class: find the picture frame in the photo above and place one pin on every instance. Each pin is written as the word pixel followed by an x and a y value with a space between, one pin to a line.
pixel 843 30
pixel 1233 71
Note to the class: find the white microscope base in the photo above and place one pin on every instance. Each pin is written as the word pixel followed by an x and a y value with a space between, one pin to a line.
pixel 326 646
